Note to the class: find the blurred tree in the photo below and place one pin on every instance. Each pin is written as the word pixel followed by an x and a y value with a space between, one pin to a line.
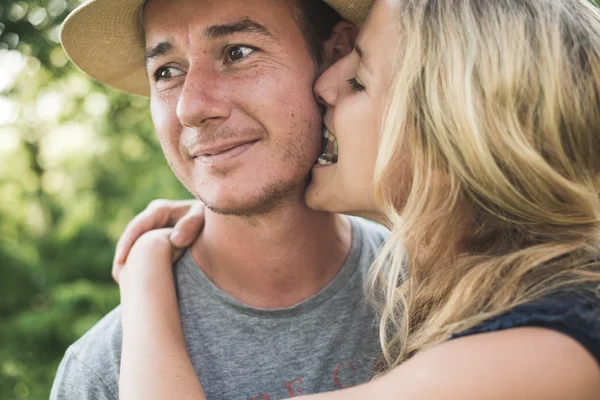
pixel 77 162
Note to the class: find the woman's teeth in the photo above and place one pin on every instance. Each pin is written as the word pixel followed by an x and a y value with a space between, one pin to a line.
pixel 329 156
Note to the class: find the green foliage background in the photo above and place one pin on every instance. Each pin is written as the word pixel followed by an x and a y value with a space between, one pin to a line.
pixel 77 162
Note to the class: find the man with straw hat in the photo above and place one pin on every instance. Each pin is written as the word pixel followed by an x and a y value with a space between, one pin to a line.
pixel 271 294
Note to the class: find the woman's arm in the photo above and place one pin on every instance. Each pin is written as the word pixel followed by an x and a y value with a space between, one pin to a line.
pixel 515 364
pixel 154 360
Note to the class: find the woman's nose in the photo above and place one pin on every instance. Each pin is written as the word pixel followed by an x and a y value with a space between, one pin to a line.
pixel 326 87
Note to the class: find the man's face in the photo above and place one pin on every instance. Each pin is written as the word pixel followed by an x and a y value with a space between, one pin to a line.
pixel 232 101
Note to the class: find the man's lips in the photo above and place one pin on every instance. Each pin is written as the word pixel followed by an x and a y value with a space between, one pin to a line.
pixel 222 152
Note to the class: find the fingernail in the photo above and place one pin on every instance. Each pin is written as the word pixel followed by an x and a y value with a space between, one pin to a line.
pixel 174 236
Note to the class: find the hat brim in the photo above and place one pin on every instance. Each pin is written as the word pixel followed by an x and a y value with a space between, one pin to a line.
pixel 105 39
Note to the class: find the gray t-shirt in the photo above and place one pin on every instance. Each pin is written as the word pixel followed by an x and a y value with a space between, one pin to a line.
pixel 327 342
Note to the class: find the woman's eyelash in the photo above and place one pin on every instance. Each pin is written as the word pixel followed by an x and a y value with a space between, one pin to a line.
pixel 355 85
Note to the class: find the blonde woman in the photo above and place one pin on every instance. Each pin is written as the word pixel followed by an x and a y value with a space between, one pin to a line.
pixel 480 123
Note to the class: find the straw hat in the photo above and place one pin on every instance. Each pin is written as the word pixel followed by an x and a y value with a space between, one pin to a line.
pixel 106 40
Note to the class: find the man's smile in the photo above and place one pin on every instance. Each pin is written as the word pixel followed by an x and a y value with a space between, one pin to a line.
pixel 223 152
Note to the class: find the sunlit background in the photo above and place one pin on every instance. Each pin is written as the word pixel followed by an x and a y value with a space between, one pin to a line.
pixel 77 162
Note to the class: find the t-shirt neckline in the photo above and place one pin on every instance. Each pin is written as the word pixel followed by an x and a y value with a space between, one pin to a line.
pixel 188 266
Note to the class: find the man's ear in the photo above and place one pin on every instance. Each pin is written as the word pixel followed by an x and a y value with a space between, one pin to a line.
pixel 341 42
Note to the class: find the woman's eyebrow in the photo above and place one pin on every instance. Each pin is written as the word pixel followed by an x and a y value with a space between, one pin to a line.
pixel 362 55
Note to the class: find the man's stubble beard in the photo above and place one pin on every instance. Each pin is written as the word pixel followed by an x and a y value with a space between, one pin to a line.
pixel 274 197
pixel 277 194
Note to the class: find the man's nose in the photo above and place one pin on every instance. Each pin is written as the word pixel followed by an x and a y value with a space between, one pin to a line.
pixel 203 98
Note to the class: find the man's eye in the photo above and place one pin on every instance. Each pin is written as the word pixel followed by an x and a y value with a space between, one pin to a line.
pixel 164 73
pixel 236 53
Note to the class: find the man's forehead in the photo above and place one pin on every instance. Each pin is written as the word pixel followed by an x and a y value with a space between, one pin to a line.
pixel 208 15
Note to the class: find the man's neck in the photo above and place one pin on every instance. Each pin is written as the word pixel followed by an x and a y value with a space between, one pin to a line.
pixel 274 260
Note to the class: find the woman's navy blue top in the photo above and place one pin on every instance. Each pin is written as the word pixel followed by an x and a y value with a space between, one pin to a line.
pixel 574 312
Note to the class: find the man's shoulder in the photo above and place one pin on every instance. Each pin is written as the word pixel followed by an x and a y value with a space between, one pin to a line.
pixel 368 238
pixel 102 342
pixel 90 367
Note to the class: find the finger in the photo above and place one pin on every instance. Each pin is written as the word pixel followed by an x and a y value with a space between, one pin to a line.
pixel 188 228
pixel 147 220
pixel 117 268
pixel 177 254
pixel 115 271
pixel 159 214
pixel 179 209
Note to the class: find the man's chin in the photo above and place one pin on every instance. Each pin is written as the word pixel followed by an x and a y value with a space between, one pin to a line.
pixel 242 210
pixel 270 200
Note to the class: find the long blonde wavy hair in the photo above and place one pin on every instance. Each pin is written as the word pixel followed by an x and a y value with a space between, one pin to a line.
pixel 495 115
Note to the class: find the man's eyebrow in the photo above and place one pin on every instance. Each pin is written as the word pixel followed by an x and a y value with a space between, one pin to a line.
pixel 161 49
pixel 245 25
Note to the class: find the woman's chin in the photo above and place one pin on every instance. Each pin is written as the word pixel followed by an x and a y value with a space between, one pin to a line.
pixel 320 193
pixel 318 199
pixel 327 196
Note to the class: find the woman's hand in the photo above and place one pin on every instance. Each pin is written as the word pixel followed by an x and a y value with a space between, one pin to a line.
pixel 185 217
pixel 151 248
